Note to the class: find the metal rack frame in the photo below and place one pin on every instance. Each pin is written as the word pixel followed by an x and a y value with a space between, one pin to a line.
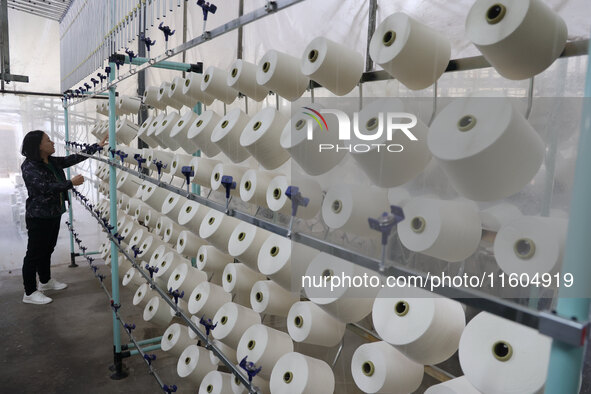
pixel 564 329
pixel 572 49
pixel 270 8
pixel 134 343
pixel 568 325
pixel 203 337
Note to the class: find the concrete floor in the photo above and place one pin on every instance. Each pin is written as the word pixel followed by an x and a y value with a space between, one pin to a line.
pixel 66 346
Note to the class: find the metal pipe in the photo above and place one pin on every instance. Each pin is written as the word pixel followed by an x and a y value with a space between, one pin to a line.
pixel 434 109
pixel 195 188
pixel 141 78
pixel 4 43
pixel 138 61
pixel 240 29
pixel 566 361
pixel 88 253
pixel 530 98
pixel 338 353
pixel 141 352
pixel 68 177
pixel 371 28
pixel 145 349
pixel 184 57
pixel 101 95
pixel 113 210
pixel 145 342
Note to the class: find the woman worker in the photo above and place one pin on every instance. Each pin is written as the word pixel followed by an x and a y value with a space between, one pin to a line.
pixel 47 188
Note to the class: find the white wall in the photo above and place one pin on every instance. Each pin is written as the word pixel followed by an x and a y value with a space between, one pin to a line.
pixel 34 51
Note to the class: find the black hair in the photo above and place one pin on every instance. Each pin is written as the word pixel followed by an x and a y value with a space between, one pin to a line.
pixel 31 145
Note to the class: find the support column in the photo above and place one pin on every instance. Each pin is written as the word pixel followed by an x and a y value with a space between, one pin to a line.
pixel 119 372
pixel 4 43
pixel 70 211
pixel 141 78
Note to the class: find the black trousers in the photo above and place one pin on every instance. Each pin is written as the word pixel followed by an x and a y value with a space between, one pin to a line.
pixel 42 239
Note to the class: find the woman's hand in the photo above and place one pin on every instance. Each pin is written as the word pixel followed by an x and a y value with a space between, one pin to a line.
pixel 77 180
pixel 104 141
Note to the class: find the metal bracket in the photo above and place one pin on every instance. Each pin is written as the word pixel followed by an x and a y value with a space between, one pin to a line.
pixel 7 77
pixel 572 332
pixel 196 68
pixel 271 6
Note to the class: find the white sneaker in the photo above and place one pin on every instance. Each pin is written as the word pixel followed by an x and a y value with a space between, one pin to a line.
pixel 52 284
pixel 36 298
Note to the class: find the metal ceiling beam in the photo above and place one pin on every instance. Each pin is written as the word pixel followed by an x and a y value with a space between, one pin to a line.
pixel 31 9
pixel 48 3
pixel 41 4
pixel 41 15
pixel 38 7
pixel 28 8
pixel 33 12
pixel 66 10
pixel 56 13
pixel 23 93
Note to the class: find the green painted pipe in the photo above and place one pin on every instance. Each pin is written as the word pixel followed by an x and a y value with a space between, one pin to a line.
pixel 113 209
pixel 138 61
pixel 94 94
pixel 144 342
pixel 87 253
pixel 145 349
pixel 566 361
pixel 70 213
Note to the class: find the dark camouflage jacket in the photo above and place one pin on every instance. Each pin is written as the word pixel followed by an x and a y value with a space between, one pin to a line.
pixel 46 193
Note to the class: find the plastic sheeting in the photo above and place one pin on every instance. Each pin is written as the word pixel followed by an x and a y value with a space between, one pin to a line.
pixel 34 41
pixel 344 21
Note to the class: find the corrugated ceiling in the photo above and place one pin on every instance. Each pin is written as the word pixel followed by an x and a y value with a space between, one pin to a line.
pixel 51 9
